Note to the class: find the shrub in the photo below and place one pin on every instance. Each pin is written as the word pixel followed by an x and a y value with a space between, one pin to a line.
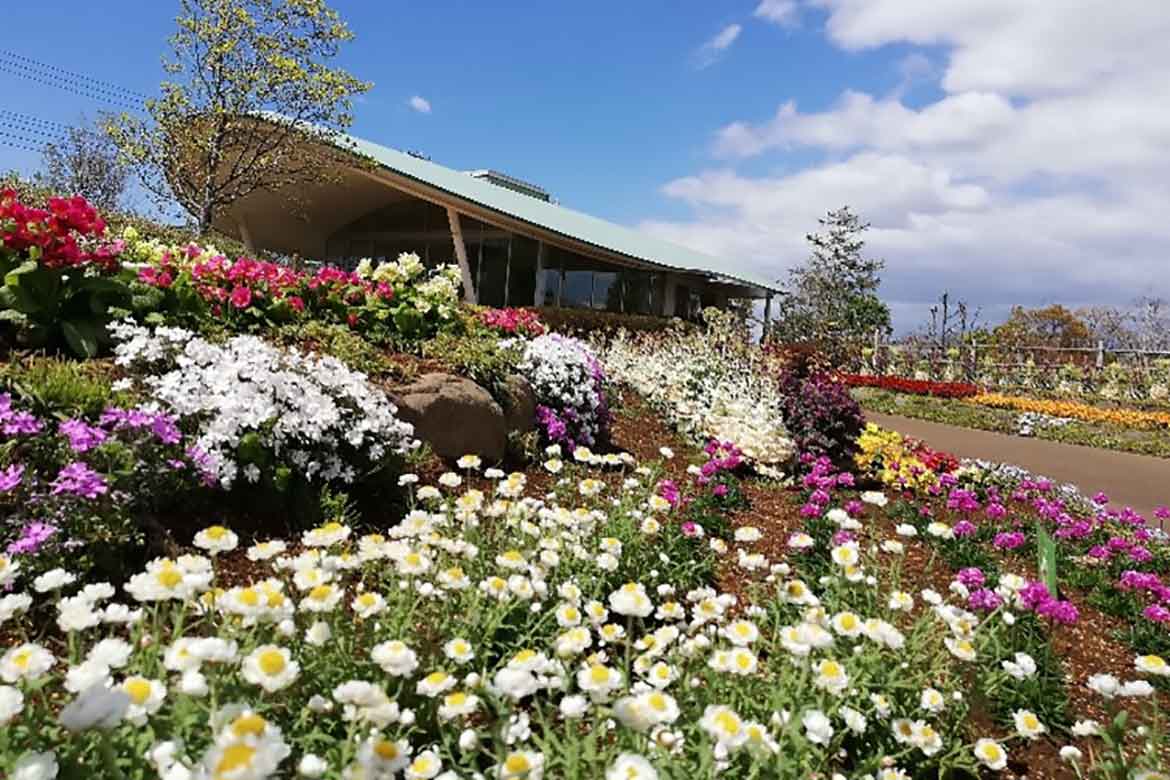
pixel 59 274
pixel 75 492
pixel 570 390
pixel 479 354
pixel 53 386
pixel 263 412
pixel 589 322
pixel 821 416
pixel 513 322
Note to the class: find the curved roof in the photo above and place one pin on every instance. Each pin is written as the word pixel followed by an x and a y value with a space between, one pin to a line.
pixel 553 217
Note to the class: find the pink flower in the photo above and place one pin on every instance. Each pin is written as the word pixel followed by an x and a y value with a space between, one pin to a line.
pixel 241 297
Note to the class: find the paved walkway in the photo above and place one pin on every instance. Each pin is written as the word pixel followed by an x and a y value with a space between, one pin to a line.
pixel 1137 481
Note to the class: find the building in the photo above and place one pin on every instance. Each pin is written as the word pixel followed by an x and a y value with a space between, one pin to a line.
pixel 514 244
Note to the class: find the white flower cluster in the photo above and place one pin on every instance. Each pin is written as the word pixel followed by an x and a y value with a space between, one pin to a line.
pixel 565 376
pixel 309 411
pixel 438 291
pixel 706 391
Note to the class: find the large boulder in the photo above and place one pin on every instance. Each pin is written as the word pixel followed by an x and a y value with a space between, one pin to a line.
pixel 519 403
pixel 454 415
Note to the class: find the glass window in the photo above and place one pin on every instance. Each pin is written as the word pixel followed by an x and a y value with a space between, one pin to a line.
pixel 522 272
pixel 607 290
pixel 492 272
pixel 578 290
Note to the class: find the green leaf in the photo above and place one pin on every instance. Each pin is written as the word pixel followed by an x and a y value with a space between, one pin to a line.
pixel 1046 552
pixel 81 336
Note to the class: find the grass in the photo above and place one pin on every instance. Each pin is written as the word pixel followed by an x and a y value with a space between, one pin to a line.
pixel 967 415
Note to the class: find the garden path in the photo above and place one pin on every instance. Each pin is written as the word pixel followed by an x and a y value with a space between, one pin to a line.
pixel 1138 481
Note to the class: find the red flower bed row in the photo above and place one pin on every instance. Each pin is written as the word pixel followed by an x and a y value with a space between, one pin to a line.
pixel 913 386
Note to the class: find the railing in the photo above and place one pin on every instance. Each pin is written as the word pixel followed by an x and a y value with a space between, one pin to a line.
pixel 1093 371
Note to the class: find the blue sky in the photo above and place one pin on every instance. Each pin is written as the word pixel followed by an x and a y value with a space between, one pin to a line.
pixel 976 136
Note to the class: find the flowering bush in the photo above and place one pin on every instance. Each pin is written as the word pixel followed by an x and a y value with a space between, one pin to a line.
pixel 397 298
pixel 513 322
pixel 707 387
pixel 821 416
pixel 262 411
pixel 900 461
pixel 914 386
pixel 569 384
pixel 74 490
pixel 59 273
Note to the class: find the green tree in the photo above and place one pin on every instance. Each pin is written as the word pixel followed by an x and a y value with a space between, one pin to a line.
pixel 832 298
pixel 248 96
pixel 85 162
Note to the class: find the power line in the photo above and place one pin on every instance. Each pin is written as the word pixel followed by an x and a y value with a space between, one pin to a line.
pixel 51 80
pixel 98 84
pixel 32 122
pixel 21 141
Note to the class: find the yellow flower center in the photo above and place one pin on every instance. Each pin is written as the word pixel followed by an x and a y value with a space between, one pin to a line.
pixel 216 532
pixel 517 763
pixel 457 699
pixel 137 689
pixel 22 659
pixel 436 678
pixel 386 750
pixel 169 578
pixel 599 674
pixel 321 592
pixel 271 662
pixel 249 597
pixel 235 757
pixel 728 722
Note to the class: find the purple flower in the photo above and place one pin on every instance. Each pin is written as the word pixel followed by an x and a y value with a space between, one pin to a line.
pixel 80 480
pixel 719 490
pixel 10 477
pixel 985 600
pixel 82 436
pixel 1100 499
pixel 964 528
pixel 32 536
pixel 22 423
pixel 691 529
pixel 972 577
pixel 1157 613
pixel 1009 540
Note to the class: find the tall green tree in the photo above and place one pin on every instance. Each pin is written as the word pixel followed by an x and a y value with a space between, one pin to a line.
pixel 246 80
pixel 832 298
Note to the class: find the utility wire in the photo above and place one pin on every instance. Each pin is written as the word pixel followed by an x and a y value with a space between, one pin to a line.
pixel 117 100
pixel 7 115
pixel 64 73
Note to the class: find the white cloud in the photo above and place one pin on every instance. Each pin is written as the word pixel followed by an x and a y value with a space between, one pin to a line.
pixel 420 104
pixel 783 12
pixel 710 51
pixel 1037 175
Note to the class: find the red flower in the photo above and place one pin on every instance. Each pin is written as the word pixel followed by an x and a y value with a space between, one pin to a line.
pixel 912 386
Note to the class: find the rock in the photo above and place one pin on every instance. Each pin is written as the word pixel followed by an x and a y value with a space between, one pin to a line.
pixel 519 403
pixel 454 415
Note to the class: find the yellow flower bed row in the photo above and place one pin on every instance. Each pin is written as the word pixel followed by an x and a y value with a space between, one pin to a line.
pixel 887 456
pixel 1128 418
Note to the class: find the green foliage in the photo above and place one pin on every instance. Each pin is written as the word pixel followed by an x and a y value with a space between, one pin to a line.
pixel 1045 692
pixel 337 341
pixel 832 299
pixel 53 386
pixel 58 307
pixel 206 143
pixel 477 354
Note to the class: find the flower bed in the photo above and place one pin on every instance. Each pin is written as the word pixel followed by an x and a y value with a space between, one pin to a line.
pixel 1122 417
pixel 913 386
pixel 708 389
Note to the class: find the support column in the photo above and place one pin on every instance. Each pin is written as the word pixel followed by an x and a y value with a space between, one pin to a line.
pixel 767 318
pixel 469 292
pixel 538 296
pixel 668 294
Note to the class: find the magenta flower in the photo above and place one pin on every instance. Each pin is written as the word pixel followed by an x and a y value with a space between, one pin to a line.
pixel 82 436
pixel 32 536
pixel 80 480
pixel 10 477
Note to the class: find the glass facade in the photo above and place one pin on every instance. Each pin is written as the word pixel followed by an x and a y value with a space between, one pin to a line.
pixel 505 266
